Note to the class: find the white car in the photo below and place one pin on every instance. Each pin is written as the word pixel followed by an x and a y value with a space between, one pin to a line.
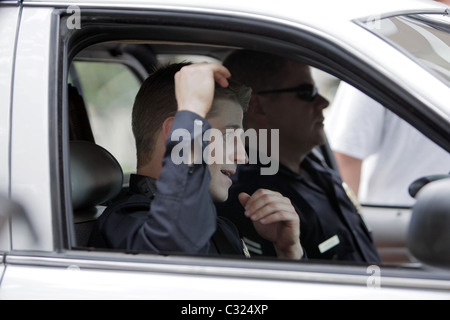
pixel 106 48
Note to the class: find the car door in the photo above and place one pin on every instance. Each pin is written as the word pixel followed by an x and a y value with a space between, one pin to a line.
pixel 55 266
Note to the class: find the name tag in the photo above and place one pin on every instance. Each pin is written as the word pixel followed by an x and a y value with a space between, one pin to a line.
pixel 328 244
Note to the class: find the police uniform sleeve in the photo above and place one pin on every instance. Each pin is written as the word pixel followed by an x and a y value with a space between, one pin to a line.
pixel 182 217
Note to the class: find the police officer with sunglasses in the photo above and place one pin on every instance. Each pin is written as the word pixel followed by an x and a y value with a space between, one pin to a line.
pixel 285 98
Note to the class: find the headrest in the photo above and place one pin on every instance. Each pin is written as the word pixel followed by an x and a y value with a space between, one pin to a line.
pixel 96 176
pixel 79 125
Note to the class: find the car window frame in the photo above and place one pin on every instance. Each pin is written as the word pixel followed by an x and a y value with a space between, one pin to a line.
pixel 175 24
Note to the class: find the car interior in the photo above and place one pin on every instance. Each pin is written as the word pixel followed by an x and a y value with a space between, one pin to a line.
pixel 95 172
pixel 97 177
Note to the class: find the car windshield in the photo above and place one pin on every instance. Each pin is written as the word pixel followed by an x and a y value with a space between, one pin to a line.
pixel 425 38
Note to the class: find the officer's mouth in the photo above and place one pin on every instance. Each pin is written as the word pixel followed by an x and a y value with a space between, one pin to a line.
pixel 228 173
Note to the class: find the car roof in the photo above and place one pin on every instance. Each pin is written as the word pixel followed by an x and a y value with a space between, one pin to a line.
pixel 299 10
pixel 328 19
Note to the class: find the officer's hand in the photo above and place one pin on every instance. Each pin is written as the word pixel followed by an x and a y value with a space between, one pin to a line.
pixel 194 86
pixel 276 220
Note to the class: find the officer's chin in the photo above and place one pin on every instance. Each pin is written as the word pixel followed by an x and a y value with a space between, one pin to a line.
pixel 219 194
pixel 220 198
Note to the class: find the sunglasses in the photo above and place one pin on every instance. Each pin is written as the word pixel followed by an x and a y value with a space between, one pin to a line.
pixel 305 92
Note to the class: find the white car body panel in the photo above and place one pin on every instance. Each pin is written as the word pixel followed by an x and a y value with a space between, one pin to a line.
pixel 30 163
pixel 8 26
pixel 8 23
pixel 301 10
pixel 76 279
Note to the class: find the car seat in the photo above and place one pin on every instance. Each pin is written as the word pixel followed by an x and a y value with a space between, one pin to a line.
pixel 96 178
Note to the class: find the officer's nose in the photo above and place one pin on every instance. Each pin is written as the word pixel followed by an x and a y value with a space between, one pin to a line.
pixel 320 102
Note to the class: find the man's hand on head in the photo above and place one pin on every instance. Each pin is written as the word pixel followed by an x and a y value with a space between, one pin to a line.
pixel 195 83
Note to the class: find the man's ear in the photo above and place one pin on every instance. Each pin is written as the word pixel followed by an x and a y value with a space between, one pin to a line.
pixel 167 124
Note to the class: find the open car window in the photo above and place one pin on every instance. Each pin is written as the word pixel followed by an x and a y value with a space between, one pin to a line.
pixel 109 89
pixel 177 43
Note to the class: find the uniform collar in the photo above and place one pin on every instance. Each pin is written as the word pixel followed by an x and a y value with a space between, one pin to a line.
pixel 143 185
pixel 308 164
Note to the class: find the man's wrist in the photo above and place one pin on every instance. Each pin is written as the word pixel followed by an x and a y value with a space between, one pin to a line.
pixel 294 252
pixel 201 111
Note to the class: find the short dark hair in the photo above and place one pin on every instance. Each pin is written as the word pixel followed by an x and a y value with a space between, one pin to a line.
pixel 258 70
pixel 156 101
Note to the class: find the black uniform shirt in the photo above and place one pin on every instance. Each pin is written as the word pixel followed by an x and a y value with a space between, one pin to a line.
pixel 330 226
pixel 174 214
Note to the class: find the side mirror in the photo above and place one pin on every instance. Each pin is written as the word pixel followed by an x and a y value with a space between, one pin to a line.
pixel 415 187
pixel 429 230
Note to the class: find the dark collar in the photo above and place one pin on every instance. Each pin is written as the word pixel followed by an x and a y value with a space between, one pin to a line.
pixel 309 164
pixel 143 185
